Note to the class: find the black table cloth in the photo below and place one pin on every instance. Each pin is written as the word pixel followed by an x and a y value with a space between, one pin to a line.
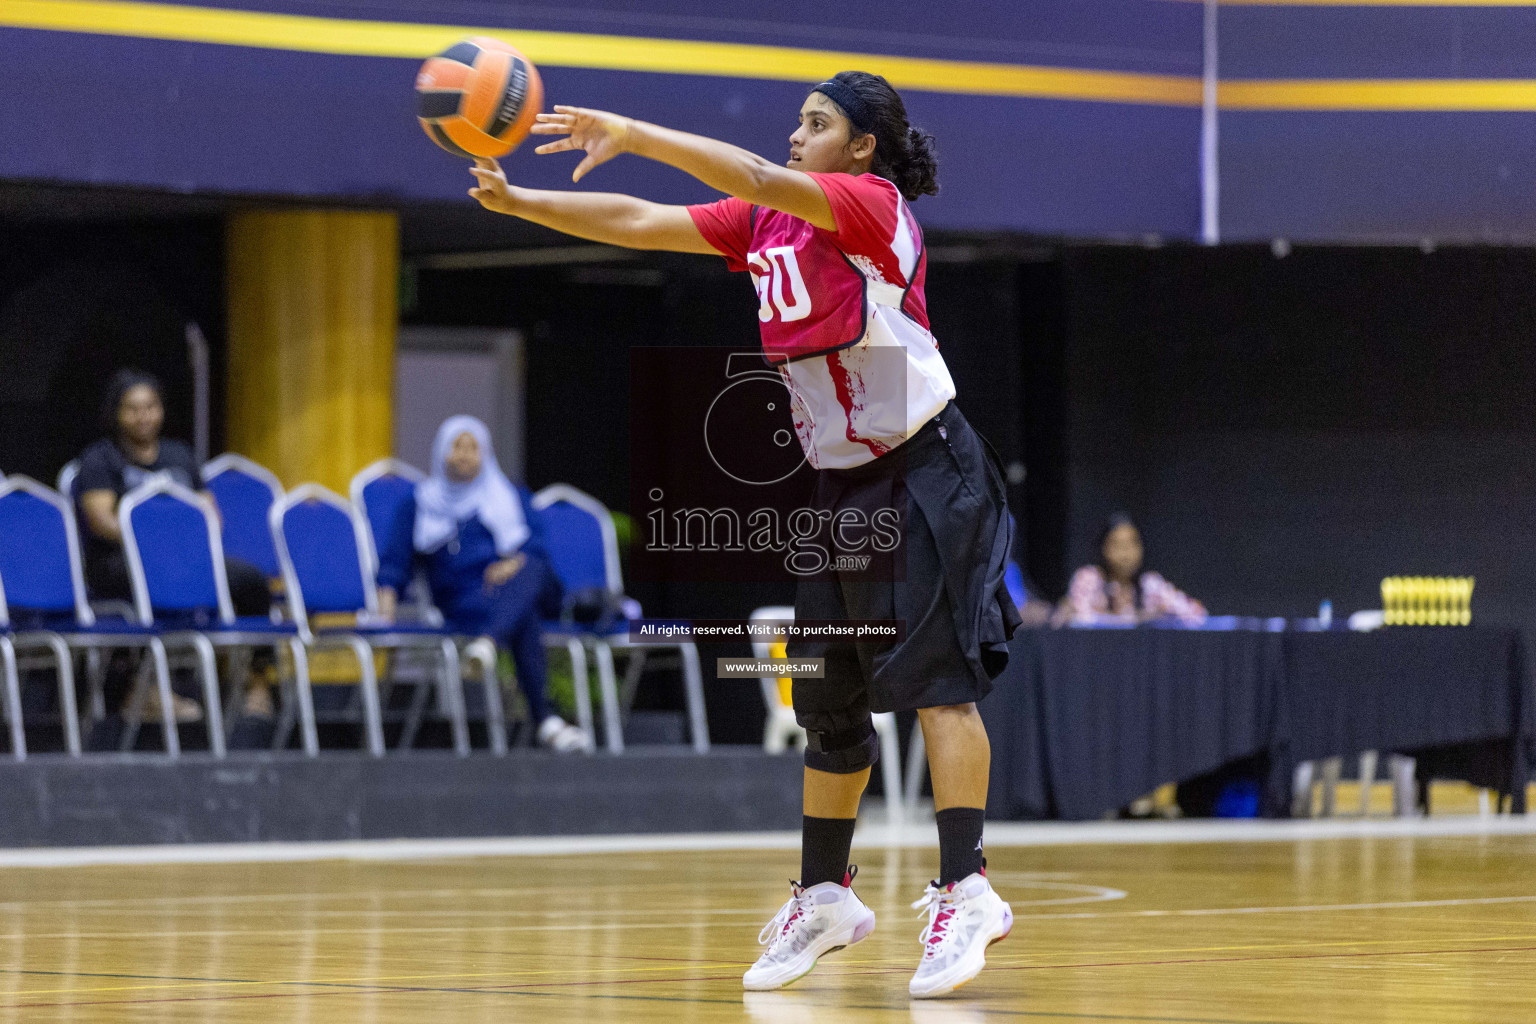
pixel 1456 699
pixel 1085 720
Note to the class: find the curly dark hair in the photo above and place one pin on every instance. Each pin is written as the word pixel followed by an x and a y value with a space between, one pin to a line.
pixel 904 155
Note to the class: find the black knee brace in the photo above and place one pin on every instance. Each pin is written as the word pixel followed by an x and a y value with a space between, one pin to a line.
pixel 842 753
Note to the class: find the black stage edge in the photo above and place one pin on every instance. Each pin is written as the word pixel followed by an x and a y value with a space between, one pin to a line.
pixel 144 799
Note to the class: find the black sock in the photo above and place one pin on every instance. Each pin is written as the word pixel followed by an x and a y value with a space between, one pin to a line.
pixel 959 842
pixel 824 846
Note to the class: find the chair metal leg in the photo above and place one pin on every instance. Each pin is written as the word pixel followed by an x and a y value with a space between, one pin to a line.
pixel 68 712
pixel 373 717
pixel 452 695
pixel 693 682
pixel 239 680
pixel 634 668
pixel 581 685
pixel 890 769
pixel 1332 768
pixel 95 676
pixel 309 735
pixel 1301 790
pixel 13 698
pixel 1367 779
pixel 133 710
pixel 782 732
pixel 1405 790
pixel 777 730
pixel 213 700
pixel 287 713
pixel 612 729
pixel 917 765
pixel 63 664
pixel 483 653
pixel 162 665
pixel 413 716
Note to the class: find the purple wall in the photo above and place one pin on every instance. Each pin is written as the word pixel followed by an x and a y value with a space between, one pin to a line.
pixel 197 117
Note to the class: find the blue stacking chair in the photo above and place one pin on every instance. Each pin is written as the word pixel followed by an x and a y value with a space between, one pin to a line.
pixel 175 556
pixel 380 492
pixel 584 549
pixel 40 563
pixel 11 676
pixel 322 544
pixel 245 492
pixel 66 480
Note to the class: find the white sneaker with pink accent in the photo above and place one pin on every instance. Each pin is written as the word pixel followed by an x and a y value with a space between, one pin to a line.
pixel 815 921
pixel 964 918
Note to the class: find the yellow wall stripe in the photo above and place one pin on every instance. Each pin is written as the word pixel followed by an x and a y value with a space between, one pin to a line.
pixel 1379 94
pixel 576 50
pixel 775 63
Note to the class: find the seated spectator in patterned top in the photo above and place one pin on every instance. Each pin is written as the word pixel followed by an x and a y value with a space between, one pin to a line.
pixel 482 547
pixel 133 452
pixel 1119 589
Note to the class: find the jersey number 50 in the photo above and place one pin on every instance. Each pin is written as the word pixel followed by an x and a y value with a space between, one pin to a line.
pixel 770 269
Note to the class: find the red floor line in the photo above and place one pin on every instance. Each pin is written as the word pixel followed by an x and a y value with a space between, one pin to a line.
pixel 731 977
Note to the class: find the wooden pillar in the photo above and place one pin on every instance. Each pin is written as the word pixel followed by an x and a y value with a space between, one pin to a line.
pixel 312 322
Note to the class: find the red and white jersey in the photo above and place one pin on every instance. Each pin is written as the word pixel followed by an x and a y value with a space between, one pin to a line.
pixel 843 315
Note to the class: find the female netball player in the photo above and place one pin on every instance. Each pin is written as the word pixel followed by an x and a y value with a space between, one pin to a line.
pixel 839 267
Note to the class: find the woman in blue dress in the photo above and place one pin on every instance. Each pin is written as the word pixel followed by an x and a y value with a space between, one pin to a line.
pixel 475 535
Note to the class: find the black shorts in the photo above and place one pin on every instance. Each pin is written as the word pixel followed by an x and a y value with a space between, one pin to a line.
pixel 945 582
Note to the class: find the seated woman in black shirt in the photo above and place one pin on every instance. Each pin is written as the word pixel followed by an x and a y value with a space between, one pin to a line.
pixel 133 414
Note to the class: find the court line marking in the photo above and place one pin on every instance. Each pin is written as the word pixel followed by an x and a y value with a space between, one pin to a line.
pixel 1000 834
pixel 880 1007
pixel 523 991
pixel 1019 879
pixel 1254 959
pixel 364 989
pixel 1468 901
pixel 624 925
pixel 1047 1014
pixel 678 964
pixel 374 985
pixel 372 982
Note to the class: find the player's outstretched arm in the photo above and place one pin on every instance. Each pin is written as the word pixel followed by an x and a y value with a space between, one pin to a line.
pixel 597 216
pixel 731 169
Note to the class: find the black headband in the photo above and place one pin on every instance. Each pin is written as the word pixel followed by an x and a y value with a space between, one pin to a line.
pixel 855 108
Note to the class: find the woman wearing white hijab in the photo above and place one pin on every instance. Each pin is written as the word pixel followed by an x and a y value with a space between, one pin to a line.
pixel 475 534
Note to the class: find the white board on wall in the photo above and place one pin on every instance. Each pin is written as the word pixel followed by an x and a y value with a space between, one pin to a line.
pixel 448 371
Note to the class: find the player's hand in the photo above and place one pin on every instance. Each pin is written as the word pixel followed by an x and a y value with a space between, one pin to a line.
pixel 492 189
pixel 500 572
pixel 601 134
pixel 389 603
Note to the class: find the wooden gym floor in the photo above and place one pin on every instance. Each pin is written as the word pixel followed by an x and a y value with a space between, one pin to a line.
pixel 1400 929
